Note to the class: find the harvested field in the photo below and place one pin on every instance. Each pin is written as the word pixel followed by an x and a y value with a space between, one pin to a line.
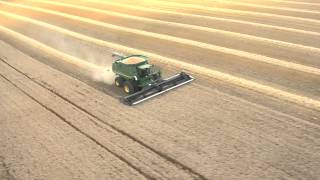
pixel 253 111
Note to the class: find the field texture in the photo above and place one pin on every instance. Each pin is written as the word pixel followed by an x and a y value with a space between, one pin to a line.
pixel 253 111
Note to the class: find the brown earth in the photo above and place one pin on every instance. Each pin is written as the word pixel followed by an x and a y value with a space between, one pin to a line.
pixel 57 122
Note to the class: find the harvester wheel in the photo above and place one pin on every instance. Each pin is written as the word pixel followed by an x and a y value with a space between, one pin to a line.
pixel 119 81
pixel 129 87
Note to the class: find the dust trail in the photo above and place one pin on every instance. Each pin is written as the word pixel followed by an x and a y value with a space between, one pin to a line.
pixel 99 57
pixel 102 71
pixel 91 64
pixel 104 75
pixel 95 62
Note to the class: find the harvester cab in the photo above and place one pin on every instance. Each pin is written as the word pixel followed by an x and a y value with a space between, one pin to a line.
pixel 141 80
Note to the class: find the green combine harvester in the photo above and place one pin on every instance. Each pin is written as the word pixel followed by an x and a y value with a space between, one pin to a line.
pixel 141 80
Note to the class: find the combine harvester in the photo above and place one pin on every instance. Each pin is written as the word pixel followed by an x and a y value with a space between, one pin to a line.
pixel 141 80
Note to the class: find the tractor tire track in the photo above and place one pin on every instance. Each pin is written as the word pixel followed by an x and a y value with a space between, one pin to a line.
pixel 66 158
pixel 199 144
pixel 4 170
pixel 70 124
pixel 165 156
pixel 273 169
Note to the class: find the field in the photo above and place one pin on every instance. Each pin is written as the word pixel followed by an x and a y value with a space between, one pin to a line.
pixel 253 111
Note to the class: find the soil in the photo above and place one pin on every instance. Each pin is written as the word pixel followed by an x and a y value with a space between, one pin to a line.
pixel 58 122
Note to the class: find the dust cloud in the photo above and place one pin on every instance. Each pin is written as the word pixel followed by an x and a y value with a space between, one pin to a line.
pixel 99 57
pixel 104 75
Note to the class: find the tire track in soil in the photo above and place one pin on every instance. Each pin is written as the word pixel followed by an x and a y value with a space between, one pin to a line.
pixel 209 153
pixel 66 121
pixel 39 145
pixel 165 156
pixel 4 170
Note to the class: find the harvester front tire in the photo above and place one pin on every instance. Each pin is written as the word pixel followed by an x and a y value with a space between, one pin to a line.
pixel 129 87
pixel 119 81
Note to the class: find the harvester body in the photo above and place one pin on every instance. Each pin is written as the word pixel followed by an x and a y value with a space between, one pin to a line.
pixel 141 80
pixel 137 69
